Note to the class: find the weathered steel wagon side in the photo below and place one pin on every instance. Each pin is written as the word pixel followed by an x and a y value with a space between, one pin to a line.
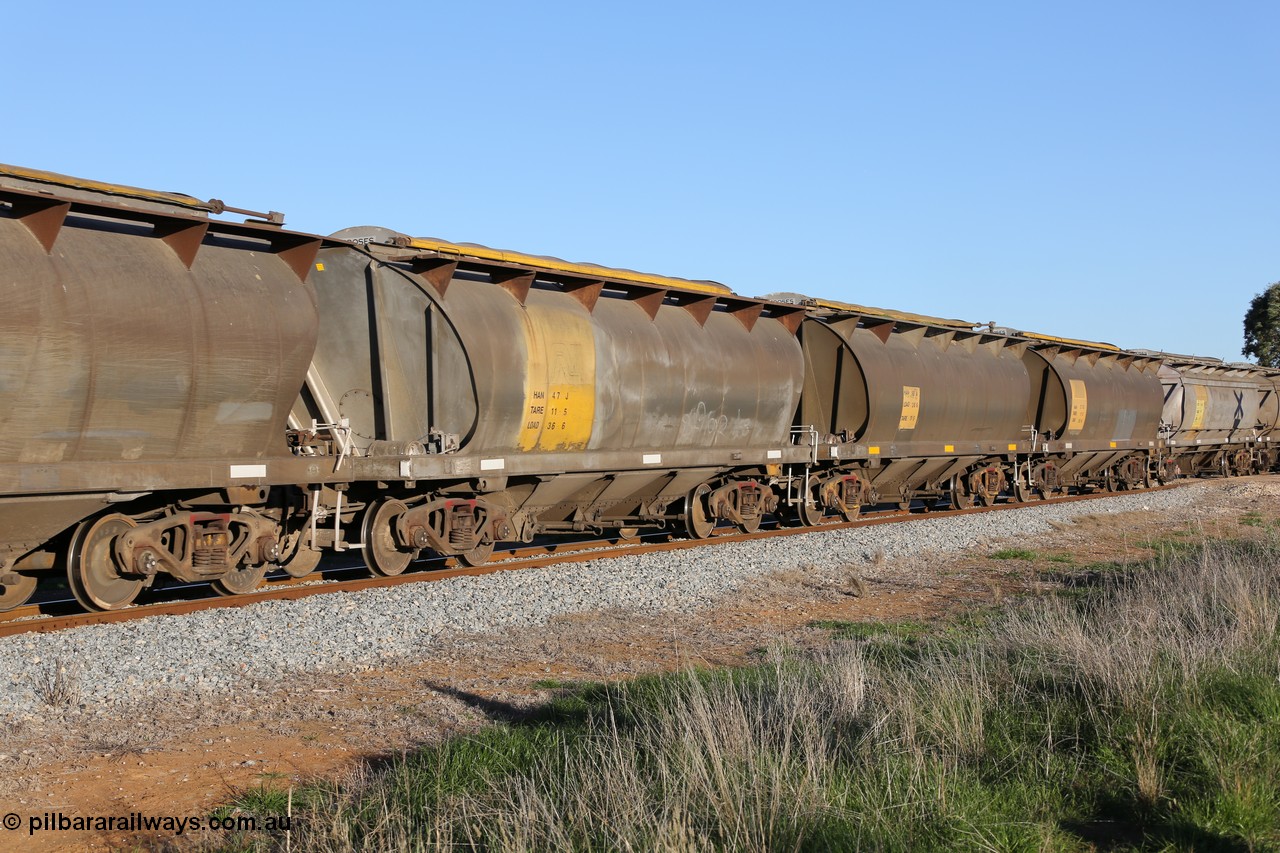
pixel 1218 417
pixel 1269 419
pixel 483 396
pixel 916 407
pixel 906 407
pixel 1095 409
pixel 149 356
pixel 185 396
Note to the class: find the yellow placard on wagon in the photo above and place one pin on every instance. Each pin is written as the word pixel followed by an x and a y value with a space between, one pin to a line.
pixel 1079 405
pixel 910 407
pixel 1202 405
pixel 559 383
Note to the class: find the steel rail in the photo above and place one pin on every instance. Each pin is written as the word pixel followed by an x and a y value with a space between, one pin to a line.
pixel 30 619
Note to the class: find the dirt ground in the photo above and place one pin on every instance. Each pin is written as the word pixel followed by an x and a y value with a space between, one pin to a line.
pixel 184 760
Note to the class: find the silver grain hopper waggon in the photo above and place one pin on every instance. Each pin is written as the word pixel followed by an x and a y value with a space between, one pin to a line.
pixel 526 395
pixel 149 357
pixel 908 403
pixel 191 391
pixel 1218 417
pixel 1094 411
pixel 906 407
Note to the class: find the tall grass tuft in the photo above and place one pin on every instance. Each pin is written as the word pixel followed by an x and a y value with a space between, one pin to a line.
pixel 1145 714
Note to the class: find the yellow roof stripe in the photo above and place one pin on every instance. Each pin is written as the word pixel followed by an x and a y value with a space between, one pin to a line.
pixel 1070 341
pixel 890 314
pixel 100 187
pixel 472 250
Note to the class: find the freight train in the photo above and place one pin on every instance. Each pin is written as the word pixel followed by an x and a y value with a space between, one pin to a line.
pixel 187 397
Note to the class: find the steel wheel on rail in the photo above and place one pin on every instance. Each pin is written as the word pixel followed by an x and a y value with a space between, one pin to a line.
pixel 303 561
pixel 382 553
pixel 93 572
pixel 297 557
pixel 240 580
pixel 15 590
pixel 790 515
pixel 1022 493
pixel 961 497
pixel 626 534
pixel 812 513
pixel 478 555
pixel 697 521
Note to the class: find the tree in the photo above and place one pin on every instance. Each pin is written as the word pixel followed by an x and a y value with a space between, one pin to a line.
pixel 1262 327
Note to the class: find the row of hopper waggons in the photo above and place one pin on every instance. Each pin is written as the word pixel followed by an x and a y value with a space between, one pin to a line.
pixel 193 398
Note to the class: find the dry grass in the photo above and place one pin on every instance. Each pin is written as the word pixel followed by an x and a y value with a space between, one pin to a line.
pixel 1025 733
pixel 1156 627
pixel 57 683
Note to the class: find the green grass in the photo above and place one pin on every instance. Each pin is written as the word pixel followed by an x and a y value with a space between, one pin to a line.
pixel 906 630
pixel 1142 714
pixel 262 799
pixel 1255 519
pixel 1014 554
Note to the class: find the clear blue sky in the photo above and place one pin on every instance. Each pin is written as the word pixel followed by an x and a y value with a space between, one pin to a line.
pixel 1105 170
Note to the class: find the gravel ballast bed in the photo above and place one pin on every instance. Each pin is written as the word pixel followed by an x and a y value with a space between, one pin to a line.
pixel 224 650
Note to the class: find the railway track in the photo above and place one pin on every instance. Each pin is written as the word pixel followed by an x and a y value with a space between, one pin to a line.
pixel 50 616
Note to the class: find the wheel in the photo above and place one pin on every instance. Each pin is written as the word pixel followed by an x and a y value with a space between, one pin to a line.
pixel 303 562
pixel 240 580
pixel 478 555
pixel 905 506
pixel 1021 493
pixel 15 590
pixel 628 532
pixel 960 496
pixel 812 515
pixel 92 571
pixel 851 513
pixel 382 553
pixel 696 520
pixel 750 525
pixel 930 504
